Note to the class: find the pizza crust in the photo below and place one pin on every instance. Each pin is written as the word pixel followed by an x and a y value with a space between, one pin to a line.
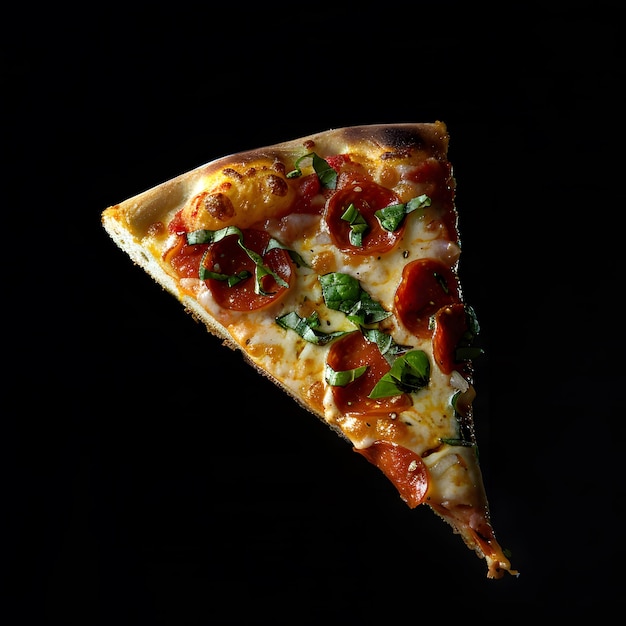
pixel 138 213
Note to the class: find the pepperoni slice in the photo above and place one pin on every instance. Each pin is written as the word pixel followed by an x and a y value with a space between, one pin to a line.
pixel 367 197
pixel 450 325
pixel 403 467
pixel 227 257
pixel 185 259
pixel 354 351
pixel 426 286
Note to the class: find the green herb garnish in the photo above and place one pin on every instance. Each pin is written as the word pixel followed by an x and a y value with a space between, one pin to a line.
pixel 344 293
pixel 231 279
pixel 341 379
pixel 307 328
pixel 408 374
pixel 465 349
pixel 386 345
pixel 326 174
pixel 358 225
pixel 392 216
pixel 295 257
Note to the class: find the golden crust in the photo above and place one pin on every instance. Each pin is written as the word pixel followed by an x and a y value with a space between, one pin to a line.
pixel 138 213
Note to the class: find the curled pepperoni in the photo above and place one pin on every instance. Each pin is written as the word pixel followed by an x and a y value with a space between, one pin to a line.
pixel 450 326
pixel 354 351
pixel 426 286
pixel 227 257
pixel 367 197
pixel 403 467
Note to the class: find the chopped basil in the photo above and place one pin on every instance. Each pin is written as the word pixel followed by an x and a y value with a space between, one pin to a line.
pixel 387 346
pixel 295 257
pixel 202 235
pixel 358 225
pixel 408 374
pixel 260 272
pixel 341 379
pixel 465 349
pixel 231 279
pixel 390 217
pixel 343 292
pixel 210 236
pixel 307 328
pixel 326 174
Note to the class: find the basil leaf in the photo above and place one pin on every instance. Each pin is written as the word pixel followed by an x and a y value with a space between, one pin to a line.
pixel 385 388
pixel 260 272
pixel 231 279
pixel 387 346
pixel 306 327
pixel 343 292
pixel 390 217
pixel 358 225
pixel 340 291
pixel 325 173
pixel 212 236
pixel 408 374
pixel 465 349
pixel 343 378
pixel 295 257
pixel 419 202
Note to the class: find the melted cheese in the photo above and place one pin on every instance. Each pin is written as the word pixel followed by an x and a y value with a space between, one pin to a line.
pixel 293 362
pixel 240 195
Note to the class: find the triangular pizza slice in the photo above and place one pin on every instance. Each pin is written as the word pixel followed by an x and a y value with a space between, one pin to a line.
pixel 331 262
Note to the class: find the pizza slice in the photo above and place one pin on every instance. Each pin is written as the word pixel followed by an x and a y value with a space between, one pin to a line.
pixel 330 262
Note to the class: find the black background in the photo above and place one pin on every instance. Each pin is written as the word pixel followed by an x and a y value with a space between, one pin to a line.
pixel 205 496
